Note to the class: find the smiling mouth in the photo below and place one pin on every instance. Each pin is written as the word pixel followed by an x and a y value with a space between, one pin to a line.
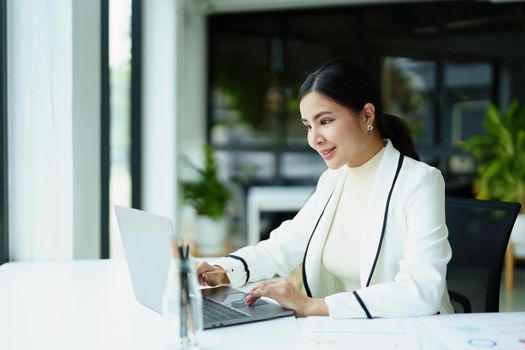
pixel 327 153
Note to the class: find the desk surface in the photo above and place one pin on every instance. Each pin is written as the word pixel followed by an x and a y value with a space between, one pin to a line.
pixel 90 305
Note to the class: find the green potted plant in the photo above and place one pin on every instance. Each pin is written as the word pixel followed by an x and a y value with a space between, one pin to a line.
pixel 501 171
pixel 209 196
pixel 501 155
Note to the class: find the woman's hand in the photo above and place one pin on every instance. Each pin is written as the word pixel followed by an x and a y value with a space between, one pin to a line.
pixel 286 294
pixel 211 275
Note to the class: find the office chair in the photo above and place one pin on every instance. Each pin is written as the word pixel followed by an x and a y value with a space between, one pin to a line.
pixel 478 234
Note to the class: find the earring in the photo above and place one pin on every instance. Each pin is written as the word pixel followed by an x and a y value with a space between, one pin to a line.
pixel 369 127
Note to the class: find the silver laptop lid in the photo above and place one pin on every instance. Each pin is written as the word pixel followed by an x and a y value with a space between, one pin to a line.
pixel 145 238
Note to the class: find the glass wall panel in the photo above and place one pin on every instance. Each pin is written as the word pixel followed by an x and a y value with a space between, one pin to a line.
pixel 467 92
pixel 246 97
pixel 246 166
pixel 303 57
pixel 312 39
pixel 409 90
pixel 430 60
pixel 302 165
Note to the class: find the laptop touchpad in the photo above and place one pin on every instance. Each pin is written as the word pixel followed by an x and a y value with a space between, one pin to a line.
pixel 241 303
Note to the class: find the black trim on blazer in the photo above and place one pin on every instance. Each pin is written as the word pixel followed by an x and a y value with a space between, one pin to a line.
pixel 360 301
pixel 399 164
pixel 305 283
pixel 244 263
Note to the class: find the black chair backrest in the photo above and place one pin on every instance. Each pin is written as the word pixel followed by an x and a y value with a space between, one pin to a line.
pixel 478 234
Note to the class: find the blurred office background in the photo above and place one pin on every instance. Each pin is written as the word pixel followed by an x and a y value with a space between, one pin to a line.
pixel 103 101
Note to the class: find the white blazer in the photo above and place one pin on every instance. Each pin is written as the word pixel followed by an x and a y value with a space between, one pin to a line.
pixel 410 257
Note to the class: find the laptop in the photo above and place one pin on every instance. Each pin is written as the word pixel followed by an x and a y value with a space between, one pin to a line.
pixel 145 237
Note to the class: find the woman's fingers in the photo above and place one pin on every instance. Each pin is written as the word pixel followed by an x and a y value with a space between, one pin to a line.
pixel 211 275
pixel 284 292
pixel 203 266
pixel 202 269
pixel 214 277
pixel 272 289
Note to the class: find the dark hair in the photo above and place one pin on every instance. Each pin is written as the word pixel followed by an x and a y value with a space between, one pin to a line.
pixel 350 85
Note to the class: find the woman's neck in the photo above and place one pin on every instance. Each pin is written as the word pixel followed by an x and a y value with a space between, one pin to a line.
pixel 371 149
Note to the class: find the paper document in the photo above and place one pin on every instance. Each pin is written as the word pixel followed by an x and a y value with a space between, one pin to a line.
pixel 480 331
pixel 342 334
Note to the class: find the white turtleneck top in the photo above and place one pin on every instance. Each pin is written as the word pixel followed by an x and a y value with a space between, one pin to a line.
pixel 342 245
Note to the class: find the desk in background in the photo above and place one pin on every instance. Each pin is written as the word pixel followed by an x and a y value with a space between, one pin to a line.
pixel 272 199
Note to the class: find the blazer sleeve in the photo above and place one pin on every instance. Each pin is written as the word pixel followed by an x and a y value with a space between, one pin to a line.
pixel 284 250
pixel 418 287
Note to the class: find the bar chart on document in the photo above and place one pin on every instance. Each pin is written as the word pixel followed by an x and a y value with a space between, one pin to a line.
pixel 493 331
pixel 321 333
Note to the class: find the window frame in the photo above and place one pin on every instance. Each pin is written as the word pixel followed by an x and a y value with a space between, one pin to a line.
pixel 4 202
pixel 136 104
pixel 136 120
pixel 104 129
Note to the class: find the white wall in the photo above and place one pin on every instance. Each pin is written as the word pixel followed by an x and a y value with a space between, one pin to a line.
pixel 86 128
pixel 159 106
pixel 53 117
pixel 174 99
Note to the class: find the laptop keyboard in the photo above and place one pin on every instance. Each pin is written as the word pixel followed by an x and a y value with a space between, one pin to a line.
pixel 214 311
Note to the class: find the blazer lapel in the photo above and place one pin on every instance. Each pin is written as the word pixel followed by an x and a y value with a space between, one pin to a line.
pixel 376 210
pixel 313 258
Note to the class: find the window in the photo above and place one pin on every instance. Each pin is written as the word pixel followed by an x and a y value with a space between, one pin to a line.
pixel 122 150
pixel 120 115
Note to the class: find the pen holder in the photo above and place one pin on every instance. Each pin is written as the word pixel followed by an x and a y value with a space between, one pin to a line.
pixel 182 306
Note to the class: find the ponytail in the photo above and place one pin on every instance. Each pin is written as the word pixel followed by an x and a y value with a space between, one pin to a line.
pixel 396 129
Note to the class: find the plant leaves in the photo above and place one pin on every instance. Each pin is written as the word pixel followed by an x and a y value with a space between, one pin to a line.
pixel 208 194
pixel 501 154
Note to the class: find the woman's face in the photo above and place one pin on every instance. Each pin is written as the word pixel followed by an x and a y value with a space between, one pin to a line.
pixel 336 132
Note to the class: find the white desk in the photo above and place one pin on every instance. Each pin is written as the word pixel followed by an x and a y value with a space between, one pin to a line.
pixel 89 305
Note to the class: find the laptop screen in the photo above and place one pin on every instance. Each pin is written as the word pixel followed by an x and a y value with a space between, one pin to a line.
pixel 146 238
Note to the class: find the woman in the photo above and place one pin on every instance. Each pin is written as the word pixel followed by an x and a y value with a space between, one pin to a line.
pixel 372 239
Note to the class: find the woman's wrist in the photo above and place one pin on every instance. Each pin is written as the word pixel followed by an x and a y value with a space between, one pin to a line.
pixel 316 307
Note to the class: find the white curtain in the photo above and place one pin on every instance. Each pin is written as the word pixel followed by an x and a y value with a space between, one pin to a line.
pixel 40 129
